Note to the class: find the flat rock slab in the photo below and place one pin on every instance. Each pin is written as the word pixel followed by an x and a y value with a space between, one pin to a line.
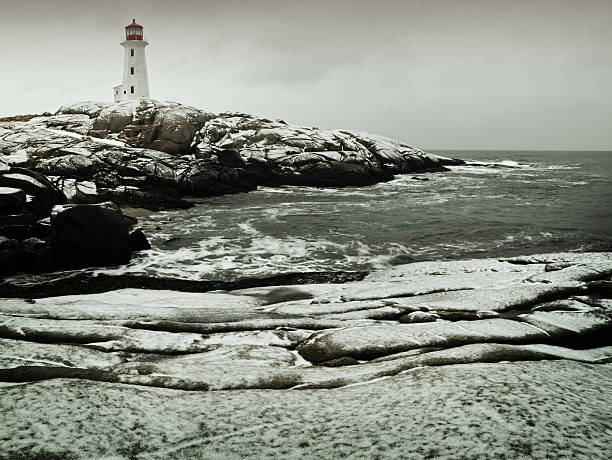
pixel 142 304
pixel 369 342
pixel 223 368
pixel 317 335
pixel 261 367
pixel 397 287
pixel 514 297
pixel 503 411
pixel 14 353
pixel 241 366
pixel 575 323
pixel 101 336
pixel 312 324
pixel 571 258
pixel 456 267
pixel 594 270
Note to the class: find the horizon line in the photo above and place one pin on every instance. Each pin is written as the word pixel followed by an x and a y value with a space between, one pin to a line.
pixel 497 149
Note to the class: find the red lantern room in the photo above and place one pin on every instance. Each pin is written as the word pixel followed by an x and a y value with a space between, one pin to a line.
pixel 133 31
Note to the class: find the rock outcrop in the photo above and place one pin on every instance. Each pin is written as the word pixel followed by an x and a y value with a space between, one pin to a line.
pixel 152 154
pixel 39 232
pixel 459 312
pixel 487 341
pixel 89 234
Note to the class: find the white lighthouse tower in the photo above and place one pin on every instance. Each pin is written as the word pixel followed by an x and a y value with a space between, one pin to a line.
pixel 135 83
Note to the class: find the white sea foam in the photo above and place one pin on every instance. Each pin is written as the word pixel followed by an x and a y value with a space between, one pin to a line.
pixel 214 257
pixel 484 167
pixel 248 229
pixel 474 210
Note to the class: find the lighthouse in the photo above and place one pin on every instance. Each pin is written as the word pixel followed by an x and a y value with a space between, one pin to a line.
pixel 135 84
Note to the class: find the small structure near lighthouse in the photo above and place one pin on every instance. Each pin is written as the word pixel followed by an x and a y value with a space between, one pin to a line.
pixel 135 84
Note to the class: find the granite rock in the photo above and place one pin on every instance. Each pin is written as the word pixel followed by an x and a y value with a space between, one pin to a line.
pixel 172 150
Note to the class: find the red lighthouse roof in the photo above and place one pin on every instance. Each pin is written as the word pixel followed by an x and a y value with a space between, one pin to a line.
pixel 133 24
pixel 133 31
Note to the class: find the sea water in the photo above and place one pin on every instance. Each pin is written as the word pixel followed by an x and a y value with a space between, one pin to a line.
pixel 507 203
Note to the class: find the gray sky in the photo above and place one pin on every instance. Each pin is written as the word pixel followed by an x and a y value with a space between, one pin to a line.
pixel 511 74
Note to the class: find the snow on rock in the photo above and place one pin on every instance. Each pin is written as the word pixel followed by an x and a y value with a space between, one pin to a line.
pixel 151 144
pixel 139 304
pixel 542 409
pixel 89 108
pixel 570 258
pixel 65 145
pixel 464 268
pixel 318 335
pixel 369 342
pixel 14 353
pixel 101 336
pixel 569 323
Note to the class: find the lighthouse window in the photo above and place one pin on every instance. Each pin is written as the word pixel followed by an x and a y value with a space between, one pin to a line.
pixel 132 89
pixel 132 52
pixel 132 70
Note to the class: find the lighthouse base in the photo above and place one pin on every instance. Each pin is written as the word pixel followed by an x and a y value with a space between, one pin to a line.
pixel 117 93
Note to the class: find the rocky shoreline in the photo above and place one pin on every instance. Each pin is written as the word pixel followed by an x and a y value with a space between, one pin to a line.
pixel 41 232
pixel 151 154
pixel 461 359
pixel 61 173
pixel 528 314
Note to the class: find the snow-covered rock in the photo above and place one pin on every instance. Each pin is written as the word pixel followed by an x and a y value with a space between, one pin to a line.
pixel 422 314
pixel 502 410
pixel 81 356
pixel 153 146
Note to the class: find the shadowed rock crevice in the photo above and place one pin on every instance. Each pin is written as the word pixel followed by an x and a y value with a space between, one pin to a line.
pixel 86 283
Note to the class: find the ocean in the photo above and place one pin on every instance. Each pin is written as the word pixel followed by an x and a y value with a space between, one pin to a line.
pixel 509 203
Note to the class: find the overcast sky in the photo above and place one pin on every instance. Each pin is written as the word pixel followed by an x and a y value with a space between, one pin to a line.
pixel 507 74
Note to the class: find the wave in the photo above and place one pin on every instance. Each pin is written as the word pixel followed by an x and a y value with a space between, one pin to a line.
pixel 227 258
pixel 498 164
pixel 488 165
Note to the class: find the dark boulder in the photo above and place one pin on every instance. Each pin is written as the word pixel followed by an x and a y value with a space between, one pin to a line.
pixel 31 255
pixel 11 261
pixel 230 158
pixel 138 240
pixel 24 218
pixel 6 243
pixel 11 199
pixel 89 235
pixel 36 207
pixel 22 232
pixel 37 254
pixel 338 174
